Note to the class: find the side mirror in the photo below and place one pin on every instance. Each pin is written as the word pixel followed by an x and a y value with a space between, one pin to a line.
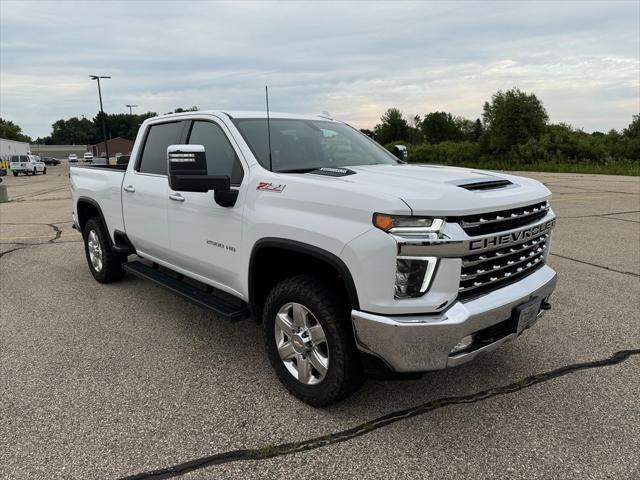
pixel 187 172
pixel 400 152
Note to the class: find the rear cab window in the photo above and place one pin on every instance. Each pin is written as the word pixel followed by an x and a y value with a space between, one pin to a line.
pixel 154 153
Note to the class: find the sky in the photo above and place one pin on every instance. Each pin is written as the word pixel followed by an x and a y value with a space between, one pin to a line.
pixel 351 59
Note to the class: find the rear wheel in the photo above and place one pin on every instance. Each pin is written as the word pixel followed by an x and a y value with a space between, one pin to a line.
pixel 44 172
pixel 104 263
pixel 309 341
pixel 15 174
pixel 35 171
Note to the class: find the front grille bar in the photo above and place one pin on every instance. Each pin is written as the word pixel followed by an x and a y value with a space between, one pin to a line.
pixel 491 255
pixel 496 268
pixel 502 216
pixel 511 275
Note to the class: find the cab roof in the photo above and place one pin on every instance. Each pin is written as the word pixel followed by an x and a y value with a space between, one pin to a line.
pixel 251 114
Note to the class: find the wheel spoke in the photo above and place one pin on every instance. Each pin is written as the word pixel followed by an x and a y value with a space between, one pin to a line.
pixel 317 334
pixel 284 322
pixel 319 362
pixel 299 315
pixel 304 369
pixel 286 351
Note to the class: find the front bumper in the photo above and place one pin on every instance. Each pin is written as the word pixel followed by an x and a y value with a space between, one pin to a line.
pixel 413 343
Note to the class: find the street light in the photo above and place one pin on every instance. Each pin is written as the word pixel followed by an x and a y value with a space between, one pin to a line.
pixel 130 107
pixel 104 128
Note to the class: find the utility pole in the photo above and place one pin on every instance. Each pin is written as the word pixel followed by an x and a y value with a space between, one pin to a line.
pixel 104 127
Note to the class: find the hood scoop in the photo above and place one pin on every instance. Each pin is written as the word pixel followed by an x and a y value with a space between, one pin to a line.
pixel 333 171
pixel 489 185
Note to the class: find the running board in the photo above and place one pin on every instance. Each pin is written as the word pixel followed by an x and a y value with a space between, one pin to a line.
pixel 220 306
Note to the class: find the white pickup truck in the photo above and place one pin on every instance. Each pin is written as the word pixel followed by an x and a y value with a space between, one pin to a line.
pixel 354 261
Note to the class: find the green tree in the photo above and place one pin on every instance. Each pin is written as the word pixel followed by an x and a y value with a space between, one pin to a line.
pixel 74 131
pixel 440 127
pixel 393 127
pixel 512 118
pixel 11 131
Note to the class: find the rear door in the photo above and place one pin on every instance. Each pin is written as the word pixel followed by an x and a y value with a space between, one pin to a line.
pixel 205 237
pixel 145 191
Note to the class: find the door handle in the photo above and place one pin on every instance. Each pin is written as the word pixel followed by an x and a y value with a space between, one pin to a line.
pixel 129 188
pixel 177 197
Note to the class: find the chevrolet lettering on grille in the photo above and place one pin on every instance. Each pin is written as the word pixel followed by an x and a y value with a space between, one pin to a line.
pixel 509 238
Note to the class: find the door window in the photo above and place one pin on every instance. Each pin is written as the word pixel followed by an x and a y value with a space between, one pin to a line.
pixel 154 154
pixel 221 157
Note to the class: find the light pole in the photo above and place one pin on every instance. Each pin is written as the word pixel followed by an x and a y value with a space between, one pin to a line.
pixel 130 107
pixel 133 137
pixel 104 128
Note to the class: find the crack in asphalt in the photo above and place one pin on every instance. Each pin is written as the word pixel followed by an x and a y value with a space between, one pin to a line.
pixel 624 272
pixel 2 254
pixel 57 234
pixel 271 451
pixel 604 215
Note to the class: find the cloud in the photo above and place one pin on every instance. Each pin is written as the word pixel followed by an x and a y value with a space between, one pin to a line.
pixel 353 59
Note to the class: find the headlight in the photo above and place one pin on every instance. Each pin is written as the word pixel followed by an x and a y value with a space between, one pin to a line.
pixel 407 225
pixel 413 275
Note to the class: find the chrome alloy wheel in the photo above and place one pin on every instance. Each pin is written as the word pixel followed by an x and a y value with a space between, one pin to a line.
pixel 95 250
pixel 301 343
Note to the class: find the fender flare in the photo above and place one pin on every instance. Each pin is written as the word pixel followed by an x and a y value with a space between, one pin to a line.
pixel 92 202
pixel 311 250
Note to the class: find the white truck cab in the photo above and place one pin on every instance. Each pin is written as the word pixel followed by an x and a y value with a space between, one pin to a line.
pixel 353 260
pixel 27 164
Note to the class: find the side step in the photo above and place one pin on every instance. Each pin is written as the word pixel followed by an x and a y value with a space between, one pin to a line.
pixel 222 307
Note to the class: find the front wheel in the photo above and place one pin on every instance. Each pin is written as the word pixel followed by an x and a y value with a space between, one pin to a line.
pixel 44 172
pixel 35 171
pixel 15 174
pixel 309 340
pixel 104 263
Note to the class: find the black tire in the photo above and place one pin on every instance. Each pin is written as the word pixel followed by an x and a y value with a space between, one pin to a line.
pixel 344 375
pixel 15 174
pixel 44 172
pixel 111 270
pixel 35 172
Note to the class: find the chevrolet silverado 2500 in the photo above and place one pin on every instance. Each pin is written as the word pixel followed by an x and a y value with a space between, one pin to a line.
pixel 352 260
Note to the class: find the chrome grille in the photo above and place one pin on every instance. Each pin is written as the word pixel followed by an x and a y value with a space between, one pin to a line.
pixel 486 223
pixel 499 267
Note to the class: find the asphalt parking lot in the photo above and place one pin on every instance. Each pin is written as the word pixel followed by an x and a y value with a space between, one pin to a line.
pixel 110 381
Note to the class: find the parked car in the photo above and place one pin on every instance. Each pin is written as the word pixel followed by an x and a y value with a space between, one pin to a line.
pixel 351 259
pixel 27 164
pixel 123 160
pixel 88 157
pixel 50 161
pixel 3 172
pixel 73 157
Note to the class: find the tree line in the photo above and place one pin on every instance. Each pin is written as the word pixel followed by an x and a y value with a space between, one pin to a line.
pixel 513 133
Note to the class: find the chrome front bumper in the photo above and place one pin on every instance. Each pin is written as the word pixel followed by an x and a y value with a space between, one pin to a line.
pixel 413 343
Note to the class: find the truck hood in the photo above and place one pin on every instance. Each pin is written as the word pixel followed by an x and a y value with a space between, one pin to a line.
pixel 441 190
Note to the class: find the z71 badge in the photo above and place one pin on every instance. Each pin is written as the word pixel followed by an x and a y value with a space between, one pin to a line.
pixel 270 187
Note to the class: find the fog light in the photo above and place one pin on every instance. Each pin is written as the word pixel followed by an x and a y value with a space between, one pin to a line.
pixel 463 344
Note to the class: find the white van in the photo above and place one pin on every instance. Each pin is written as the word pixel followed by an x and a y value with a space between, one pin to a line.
pixel 26 164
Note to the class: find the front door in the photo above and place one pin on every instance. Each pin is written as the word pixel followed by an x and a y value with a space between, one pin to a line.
pixel 205 237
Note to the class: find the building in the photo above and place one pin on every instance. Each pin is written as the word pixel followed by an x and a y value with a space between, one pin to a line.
pixel 12 147
pixel 116 145
pixel 61 152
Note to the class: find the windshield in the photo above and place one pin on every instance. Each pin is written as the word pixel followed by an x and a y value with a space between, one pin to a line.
pixel 305 145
